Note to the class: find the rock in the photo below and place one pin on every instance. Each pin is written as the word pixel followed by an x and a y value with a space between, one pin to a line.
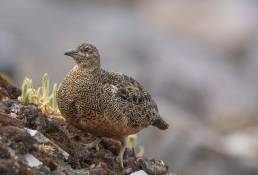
pixel 8 90
pixel 16 139
pixel 32 161
pixel 153 166
pixel 4 153
pixel 13 167
pixel 141 172
pixel 6 120
pixel 42 139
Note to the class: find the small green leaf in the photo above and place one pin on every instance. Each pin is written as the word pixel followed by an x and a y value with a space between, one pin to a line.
pixel 132 141
pixel 45 85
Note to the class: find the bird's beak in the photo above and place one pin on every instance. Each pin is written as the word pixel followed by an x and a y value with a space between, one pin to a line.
pixel 71 52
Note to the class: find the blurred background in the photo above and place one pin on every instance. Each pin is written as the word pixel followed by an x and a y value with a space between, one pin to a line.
pixel 199 60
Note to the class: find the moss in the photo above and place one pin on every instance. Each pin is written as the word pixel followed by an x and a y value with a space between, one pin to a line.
pixel 51 134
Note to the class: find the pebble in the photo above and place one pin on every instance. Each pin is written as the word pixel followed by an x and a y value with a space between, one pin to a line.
pixel 141 172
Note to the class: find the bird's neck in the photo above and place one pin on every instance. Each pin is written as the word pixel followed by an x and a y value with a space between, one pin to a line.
pixel 89 70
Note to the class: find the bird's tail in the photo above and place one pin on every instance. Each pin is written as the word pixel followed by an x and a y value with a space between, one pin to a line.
pixel 160 123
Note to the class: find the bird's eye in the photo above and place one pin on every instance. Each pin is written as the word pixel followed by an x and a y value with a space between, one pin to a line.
pixel 85 50
pixel 88 50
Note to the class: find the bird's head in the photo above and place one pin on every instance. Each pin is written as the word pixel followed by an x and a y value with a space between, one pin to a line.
pixel 85 55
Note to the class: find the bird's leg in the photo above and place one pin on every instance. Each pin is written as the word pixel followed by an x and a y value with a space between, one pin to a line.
pixel 120 157
pixel 94 144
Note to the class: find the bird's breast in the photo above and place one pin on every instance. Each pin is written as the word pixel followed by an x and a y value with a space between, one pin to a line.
pixel 104 125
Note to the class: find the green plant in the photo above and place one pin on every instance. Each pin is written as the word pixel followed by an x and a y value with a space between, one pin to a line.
pixel 47 103
pixel 132 141
pixel 47 149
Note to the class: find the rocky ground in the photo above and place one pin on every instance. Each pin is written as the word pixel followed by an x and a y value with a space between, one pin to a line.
pixel 32 142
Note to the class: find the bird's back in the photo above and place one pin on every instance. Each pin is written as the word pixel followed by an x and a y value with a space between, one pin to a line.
pixel 132 100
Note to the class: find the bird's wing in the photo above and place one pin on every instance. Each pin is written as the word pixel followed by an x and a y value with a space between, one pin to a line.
pixel 135 102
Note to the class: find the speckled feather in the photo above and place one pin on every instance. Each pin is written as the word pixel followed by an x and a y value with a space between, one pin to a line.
pixel 105 103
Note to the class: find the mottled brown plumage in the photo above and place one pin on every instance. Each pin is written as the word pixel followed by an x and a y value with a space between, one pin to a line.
pixel 104 103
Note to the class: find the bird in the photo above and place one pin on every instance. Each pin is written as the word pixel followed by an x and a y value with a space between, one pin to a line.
pixel 104 103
